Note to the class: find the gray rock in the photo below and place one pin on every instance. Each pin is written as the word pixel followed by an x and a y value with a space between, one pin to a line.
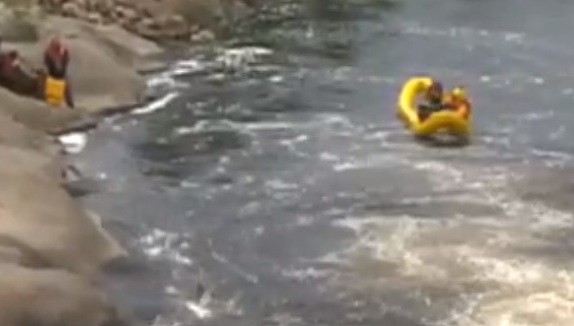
pixel 50 298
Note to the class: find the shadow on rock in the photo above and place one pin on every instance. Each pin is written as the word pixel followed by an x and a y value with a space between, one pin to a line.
pixel 52 297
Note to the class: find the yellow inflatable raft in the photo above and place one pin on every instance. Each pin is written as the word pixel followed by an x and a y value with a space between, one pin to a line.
pixel 455 122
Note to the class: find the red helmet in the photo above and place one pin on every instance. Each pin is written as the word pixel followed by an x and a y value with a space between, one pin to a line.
pixel 56 46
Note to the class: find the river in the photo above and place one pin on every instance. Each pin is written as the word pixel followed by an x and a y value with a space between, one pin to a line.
pixel 277 187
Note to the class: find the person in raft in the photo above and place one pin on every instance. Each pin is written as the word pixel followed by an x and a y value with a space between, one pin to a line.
pixel 458 99
pixel 434 101
pixel 56 86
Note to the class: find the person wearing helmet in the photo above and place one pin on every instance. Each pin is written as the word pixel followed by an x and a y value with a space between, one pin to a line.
pixel 54 85
pixel 56 59
pixel 434 98
pixel 458 100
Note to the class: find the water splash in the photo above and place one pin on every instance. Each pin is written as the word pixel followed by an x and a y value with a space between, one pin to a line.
pixel 157 104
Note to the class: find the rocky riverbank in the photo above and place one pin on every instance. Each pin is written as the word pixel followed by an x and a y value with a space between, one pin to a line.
pixel 158 20
pixel 52 251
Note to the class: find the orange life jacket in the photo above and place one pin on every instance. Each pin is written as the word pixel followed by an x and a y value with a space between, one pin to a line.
pixel 464 107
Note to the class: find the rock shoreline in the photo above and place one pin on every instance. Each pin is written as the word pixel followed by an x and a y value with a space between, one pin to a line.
pixel 53 252
pixel 158 20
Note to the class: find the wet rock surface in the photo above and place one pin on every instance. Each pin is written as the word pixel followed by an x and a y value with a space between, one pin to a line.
pixel 52 251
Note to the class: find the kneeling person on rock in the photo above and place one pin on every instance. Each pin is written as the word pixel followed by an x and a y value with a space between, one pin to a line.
pixel 15 76
pixel 55 86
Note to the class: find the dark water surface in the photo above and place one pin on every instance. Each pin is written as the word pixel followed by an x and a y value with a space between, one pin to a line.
pixel 278 188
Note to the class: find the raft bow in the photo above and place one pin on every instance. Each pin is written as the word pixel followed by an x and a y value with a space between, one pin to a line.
pixel 453 122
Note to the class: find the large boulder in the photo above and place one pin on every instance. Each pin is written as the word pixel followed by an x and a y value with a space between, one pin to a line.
pixel 204 13
pixel 17 24
pixel 49 246
pixel 15 134
pixel 104 61
pixel 35 114
pixel 51 298
pixel 42 226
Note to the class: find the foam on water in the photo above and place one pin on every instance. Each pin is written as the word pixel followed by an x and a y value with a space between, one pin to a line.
pixel 240 57
pixel 464 33
pixel 165 245
pixel 325 120
pixel 554 155
pixel 186 67
pixel 168 81
pixel 157 104
pixel 479 257
pixel 74 142
pixel 162 245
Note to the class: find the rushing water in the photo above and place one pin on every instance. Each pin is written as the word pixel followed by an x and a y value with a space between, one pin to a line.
pixel 276 186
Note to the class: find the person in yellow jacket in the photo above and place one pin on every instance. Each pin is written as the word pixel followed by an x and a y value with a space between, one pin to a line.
pixel 54 86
